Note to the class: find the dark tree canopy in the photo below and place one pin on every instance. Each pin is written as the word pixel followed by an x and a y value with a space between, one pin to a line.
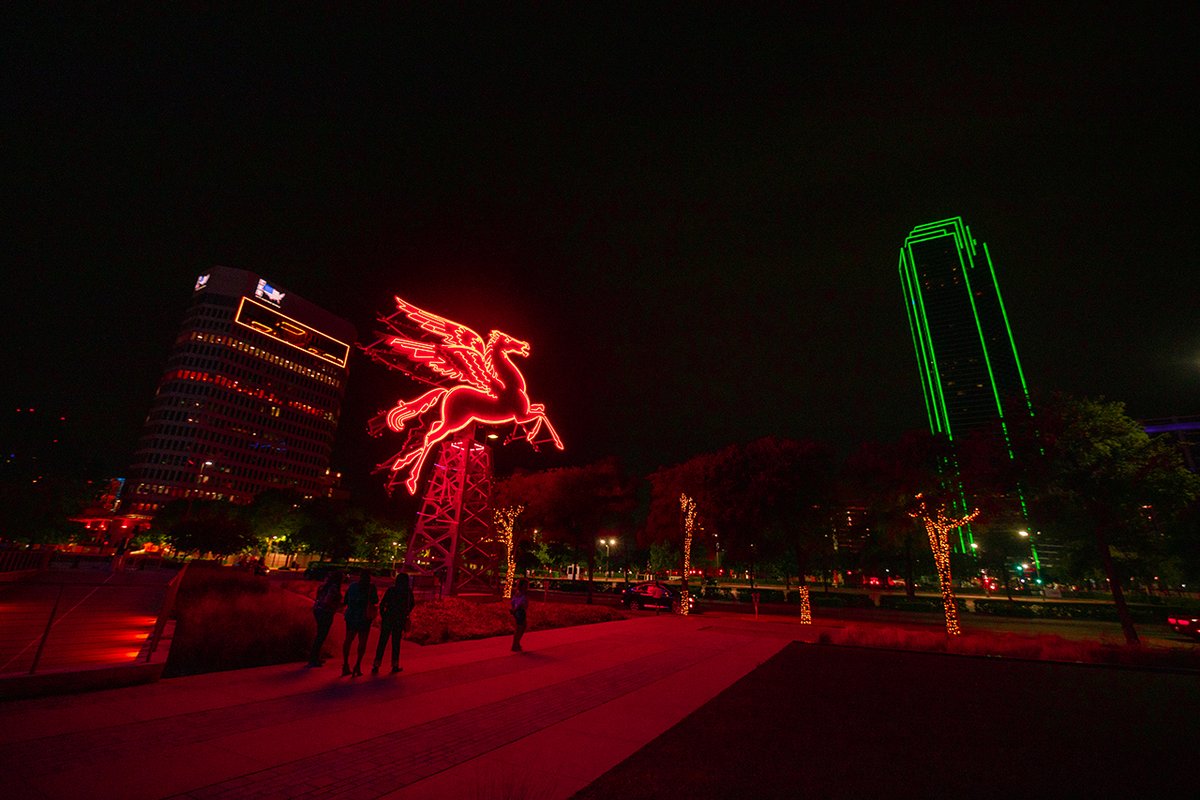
pixel 766 500
pixel 206 526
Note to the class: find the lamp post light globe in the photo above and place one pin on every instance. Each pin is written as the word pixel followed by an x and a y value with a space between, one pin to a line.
pixel 608 545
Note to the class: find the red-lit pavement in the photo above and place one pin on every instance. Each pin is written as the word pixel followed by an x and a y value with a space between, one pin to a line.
pixel 467 719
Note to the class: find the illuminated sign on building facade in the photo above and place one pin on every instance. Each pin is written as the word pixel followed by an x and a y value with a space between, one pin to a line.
pixel 265 291
pixel 293 333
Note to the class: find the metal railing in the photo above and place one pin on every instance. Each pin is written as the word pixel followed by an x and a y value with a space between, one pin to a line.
pixel 164 614
pixel 82 624
pixel 23 560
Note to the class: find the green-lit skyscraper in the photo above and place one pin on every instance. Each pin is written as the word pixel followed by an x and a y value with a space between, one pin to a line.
pixel 970 373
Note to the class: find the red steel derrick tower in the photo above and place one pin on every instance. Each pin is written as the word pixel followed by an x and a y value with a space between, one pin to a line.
pixel 472 383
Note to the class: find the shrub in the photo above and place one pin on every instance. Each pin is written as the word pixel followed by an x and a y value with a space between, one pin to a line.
pixel 230 620
pixel 453 618
pixel 1104 612
pixel 1012 645
pixel 916 604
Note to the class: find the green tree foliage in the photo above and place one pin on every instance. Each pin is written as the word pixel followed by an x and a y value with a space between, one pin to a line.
pixel 207 526
pixel 331 530
pixel 376 540
pixel 664 557
pixel 1107 489
pixel 275 512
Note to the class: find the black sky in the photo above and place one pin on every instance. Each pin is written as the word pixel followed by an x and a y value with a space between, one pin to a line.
pixel 692 212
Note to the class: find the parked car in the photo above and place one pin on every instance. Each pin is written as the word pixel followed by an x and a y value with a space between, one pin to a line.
pixel 1186 624
pixel 654 594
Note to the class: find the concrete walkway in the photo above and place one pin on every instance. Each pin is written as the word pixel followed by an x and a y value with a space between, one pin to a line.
pixel 463 720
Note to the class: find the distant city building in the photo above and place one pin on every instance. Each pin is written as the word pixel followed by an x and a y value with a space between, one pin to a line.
pixel 1184 431
pixel 249 400
pixel 970 373
pixel 848 530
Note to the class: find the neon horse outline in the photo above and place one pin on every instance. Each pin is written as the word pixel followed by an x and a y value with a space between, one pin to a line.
pixel 491 389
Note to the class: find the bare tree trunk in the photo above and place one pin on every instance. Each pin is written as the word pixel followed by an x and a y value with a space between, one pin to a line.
pixel 910 586
pixel 1007 569
pixel 591 555
pixel 802 585
pixel 1114 584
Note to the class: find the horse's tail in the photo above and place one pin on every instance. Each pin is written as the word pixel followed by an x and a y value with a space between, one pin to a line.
pixel 403 412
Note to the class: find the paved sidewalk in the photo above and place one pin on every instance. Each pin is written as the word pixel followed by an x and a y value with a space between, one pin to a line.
pixel 464 720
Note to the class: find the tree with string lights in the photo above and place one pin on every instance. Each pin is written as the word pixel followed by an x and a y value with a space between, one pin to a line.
pixel 505 521
pixel 938 525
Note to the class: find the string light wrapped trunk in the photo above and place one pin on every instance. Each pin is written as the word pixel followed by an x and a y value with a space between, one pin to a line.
pixel 687 508
pixel 506 521
pixel 938 526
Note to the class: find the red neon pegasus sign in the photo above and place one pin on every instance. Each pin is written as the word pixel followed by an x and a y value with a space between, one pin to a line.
pixel 478 383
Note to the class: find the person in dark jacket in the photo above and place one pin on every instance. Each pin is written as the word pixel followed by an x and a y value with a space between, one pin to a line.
pixel 394 609
pixel 362 600
pixel 328 601
pixel 519 608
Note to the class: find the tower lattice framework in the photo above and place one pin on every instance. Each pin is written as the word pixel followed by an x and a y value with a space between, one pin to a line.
pixel 453 538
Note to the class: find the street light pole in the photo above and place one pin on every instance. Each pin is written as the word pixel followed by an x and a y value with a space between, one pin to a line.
pixel 608 543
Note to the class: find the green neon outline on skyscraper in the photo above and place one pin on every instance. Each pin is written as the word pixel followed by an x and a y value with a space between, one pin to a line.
pixel 941 417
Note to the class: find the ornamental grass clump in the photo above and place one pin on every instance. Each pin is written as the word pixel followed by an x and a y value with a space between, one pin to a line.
pixel 230 620
pixel 227 619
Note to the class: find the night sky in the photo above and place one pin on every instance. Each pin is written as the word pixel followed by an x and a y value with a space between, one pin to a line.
pixel 693 215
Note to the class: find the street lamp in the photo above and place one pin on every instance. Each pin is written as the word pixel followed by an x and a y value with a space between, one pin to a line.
pixel 608 543
pixel 395 554
pixel 1037 564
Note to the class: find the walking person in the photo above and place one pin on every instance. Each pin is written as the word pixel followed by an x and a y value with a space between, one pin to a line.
pixel 362 601
pixel 328 601
pixel 394 608
pixel 519 608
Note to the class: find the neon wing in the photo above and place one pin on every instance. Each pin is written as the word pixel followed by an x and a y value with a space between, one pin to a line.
pixel 460 355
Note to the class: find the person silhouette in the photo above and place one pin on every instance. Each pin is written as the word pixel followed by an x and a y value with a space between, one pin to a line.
pixel 394 609
pixel 328 601
pixel 362 600
pixel 519 608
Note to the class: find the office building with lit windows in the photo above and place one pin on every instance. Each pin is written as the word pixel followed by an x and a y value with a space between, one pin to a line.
pixel 249 400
